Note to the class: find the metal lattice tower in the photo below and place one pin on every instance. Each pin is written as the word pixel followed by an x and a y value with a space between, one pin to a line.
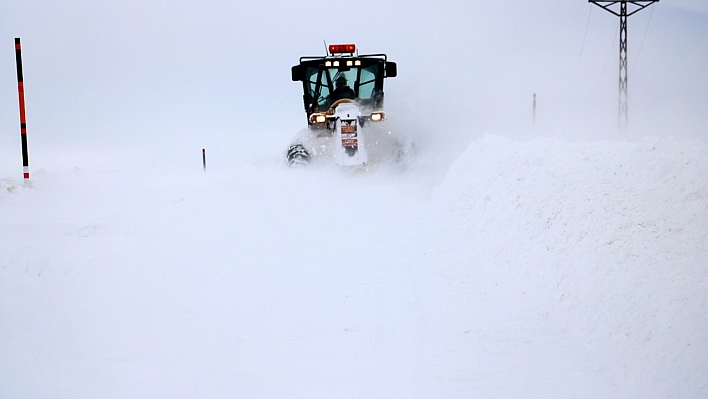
pixel 623 13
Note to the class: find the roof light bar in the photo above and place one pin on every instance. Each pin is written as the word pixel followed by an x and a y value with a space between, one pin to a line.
pixel 342 48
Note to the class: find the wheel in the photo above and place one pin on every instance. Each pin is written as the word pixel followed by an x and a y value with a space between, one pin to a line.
pixel 297 155
pixel 402 152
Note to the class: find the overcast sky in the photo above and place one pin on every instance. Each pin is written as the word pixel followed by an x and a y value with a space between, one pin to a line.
pixel 214 73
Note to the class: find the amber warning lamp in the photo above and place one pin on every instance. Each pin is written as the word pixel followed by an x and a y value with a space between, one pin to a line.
pixel 342 48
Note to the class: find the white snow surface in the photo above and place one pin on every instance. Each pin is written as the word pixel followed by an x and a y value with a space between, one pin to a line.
pixel 538 269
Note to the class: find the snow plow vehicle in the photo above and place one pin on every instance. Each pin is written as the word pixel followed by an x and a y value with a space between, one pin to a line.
pixel 343 97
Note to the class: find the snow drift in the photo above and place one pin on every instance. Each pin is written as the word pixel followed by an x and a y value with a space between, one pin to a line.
pixel 544 269
pixel 610 238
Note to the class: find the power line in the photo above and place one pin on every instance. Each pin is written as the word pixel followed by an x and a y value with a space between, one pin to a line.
pixel 587 26
pixel 609 52
pixel 651 13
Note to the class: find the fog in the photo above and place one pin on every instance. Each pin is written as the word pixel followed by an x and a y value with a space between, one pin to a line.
pixel 561 258
pixel 179 75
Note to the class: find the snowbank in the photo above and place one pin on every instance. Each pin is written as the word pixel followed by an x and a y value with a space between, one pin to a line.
pixel 610 240
pixel 539 270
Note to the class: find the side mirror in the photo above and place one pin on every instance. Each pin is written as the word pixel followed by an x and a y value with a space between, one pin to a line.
pixel 391 70
pixel 298 73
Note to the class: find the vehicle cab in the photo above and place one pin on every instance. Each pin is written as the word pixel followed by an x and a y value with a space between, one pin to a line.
pixel 322 79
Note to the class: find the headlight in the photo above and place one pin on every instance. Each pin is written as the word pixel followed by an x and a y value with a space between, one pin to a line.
pixel 378 116
pixel 318 118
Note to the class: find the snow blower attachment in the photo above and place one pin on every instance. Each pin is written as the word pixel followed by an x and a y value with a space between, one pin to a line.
pixel 343 96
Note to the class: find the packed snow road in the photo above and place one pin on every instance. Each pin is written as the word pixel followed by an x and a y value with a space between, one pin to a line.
pixel 262 281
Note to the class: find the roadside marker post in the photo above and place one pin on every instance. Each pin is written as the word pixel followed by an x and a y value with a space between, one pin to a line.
pixel 23 122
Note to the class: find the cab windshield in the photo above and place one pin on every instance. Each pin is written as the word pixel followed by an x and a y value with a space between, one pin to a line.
pixel 321 83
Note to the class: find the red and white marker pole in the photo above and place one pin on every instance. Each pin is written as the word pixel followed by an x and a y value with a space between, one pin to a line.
pixel 204 158
pixel 23 122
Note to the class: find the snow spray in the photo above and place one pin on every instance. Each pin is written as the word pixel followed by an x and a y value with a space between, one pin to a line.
pixel 23 122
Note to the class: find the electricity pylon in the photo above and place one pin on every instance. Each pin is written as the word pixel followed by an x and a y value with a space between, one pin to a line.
pixel 623 13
